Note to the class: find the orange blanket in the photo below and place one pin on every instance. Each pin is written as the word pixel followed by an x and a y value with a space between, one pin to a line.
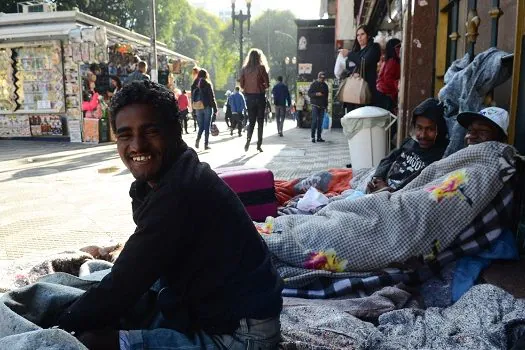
pixel 332 182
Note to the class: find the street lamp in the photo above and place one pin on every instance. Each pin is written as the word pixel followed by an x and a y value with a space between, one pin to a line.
pixel 240 17
pixel 153 71
pixel 289 62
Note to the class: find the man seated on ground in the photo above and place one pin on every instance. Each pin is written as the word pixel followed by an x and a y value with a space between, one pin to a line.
pixel 490 124
pixel 426 146
pixel 194 242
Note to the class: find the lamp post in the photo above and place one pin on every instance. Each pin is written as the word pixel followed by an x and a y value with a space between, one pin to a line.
pixel 153 71
pixel 289 63
pixel 241 17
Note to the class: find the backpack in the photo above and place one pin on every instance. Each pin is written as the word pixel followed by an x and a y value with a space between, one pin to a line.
pixel 196 97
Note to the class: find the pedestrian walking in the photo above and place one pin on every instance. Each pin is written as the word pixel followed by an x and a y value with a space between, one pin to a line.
pixel 255 81
pixel 238 108
pixel 318 94
pixel 203 101
pixel 281 99
pixel 227 110
pixel 183 102
pixel 299 108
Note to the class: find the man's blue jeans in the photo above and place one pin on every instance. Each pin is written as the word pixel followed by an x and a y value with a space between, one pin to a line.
pixel 317 121
pixel 204 122
pixel 251 334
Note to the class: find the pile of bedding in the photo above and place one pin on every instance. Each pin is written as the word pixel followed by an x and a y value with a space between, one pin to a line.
pixel 486 318
pixel 456 207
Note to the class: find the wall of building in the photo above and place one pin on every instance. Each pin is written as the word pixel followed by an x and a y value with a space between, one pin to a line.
pixel 418 56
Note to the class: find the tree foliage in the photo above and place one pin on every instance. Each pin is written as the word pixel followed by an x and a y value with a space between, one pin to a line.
pixel 275 32
pixel 194 32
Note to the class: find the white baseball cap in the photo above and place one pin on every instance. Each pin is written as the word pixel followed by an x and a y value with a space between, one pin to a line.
pixel 494 115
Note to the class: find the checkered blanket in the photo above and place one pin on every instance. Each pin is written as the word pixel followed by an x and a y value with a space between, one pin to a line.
pixel 453 208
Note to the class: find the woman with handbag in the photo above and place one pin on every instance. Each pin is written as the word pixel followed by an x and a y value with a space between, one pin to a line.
pixel 363 59
pixel 388 80
pixel 205 105
pixel 254 81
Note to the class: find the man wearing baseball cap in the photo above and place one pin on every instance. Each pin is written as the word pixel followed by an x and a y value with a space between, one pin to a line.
pixel 490 124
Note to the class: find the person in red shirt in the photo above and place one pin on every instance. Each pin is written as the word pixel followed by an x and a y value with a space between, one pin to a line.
pixel 388 80
pixel 183 102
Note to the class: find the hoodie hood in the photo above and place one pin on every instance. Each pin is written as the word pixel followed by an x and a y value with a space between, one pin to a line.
pixel 434 110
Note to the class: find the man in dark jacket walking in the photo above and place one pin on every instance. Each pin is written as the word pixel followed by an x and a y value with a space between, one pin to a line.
pixel 318 94
pixel 281 99
pixel 194 246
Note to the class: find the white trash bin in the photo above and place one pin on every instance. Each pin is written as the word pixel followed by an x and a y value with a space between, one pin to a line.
pixel 367 138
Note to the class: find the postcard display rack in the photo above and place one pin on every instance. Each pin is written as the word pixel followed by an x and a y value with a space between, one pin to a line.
pixel 31 90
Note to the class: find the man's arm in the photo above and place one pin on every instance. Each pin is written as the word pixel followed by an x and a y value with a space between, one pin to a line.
pixel 312 91
pixel 139 265
pixel 288 99
pixel 385 164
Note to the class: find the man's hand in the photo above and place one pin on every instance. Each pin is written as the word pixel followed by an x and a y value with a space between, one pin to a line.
pixel 100 340
pixel 318 94
pixel 376 184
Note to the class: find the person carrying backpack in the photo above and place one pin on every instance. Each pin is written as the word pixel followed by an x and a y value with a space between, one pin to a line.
pixel 205 105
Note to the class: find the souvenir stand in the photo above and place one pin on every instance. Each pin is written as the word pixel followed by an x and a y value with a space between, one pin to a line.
pixel 47 62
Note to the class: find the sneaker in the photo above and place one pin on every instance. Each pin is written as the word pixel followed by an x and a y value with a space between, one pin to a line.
pixel 240 134
pixel 207 147
pixel 197 144
pixel 320 140
pixel 246 147
pixel 281 134
pixel 231 132
pixel 259 149
pixel 313 140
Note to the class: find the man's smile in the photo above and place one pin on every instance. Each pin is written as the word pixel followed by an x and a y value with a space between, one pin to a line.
pixel 141 158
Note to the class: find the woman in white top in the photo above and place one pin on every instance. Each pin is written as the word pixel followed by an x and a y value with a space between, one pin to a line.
pixel 299 108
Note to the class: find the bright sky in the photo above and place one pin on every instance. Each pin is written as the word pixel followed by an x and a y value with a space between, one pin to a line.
pixel 304 9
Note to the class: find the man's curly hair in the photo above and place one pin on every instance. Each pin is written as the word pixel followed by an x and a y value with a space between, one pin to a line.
pixel 146 92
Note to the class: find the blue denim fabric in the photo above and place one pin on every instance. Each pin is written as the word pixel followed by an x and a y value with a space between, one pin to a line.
pixel 280 114
pixel 317 121
pixel 204 122
pixel 251 334
pixel 456 135
pixel 163 338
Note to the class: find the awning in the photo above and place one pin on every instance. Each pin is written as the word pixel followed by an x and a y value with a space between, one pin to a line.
pixel 56 25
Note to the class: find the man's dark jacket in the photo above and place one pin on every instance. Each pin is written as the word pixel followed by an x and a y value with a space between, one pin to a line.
pixel 193 234
pixel 281 95
pixel 319 101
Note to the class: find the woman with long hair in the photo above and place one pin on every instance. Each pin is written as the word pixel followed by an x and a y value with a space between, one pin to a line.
pixel 365 49
pixel 254 81
pixel 194 73
pixel 116 84
pixel 202 94
pixel 387 82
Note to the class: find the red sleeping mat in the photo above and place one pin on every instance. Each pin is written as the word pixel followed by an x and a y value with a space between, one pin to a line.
pixel 255 188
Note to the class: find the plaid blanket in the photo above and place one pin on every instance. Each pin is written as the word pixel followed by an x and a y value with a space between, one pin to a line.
pixel 454 208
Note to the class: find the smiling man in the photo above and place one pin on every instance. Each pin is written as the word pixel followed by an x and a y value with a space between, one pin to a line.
pixel 490 124
pixel 194 246
pixel 426 146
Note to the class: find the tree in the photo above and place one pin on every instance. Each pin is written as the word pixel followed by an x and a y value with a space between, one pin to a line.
pixel 192 32
pixel 275 32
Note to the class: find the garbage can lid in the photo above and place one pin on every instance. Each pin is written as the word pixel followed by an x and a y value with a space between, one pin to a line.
pixel 367 112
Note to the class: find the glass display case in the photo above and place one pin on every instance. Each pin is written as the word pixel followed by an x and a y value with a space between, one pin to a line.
pixel 39 78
